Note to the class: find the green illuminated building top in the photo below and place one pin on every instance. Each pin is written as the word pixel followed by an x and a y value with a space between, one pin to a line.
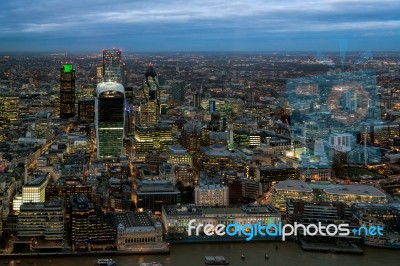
pixel 68 68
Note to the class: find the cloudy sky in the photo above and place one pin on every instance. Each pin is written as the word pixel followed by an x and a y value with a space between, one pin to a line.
pixel 199 25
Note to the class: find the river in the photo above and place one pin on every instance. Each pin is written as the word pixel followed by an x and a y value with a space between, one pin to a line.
pixel 288 253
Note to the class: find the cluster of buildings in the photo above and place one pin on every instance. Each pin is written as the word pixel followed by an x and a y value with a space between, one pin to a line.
pixel 113 156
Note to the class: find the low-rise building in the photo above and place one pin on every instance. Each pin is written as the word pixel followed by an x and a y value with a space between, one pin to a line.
pixel 354 193
pixel 176 218
pixel 322 212
pixel 152 195
pixel 211 195
pixel 42 224
pixel 386 216
pixel 290 189
pixel 177 154
pixel 139 232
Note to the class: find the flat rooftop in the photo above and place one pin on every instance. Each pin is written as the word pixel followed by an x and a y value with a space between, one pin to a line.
pixel 157 187
pixel 37 182
pixel 355 189
pixel 228 210
pixel 131 219
pixel 176 149
pixel 293 185
pixel 193 210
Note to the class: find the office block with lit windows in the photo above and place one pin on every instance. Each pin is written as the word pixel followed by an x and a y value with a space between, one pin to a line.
pixel 290 189
pixel 67 91
pixel 113 67
pixel 152 195
pixel 109 119
pixel 41 225
pixel 86 110
pixel 90 228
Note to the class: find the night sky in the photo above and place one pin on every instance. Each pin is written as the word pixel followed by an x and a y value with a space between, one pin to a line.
pixel 205 25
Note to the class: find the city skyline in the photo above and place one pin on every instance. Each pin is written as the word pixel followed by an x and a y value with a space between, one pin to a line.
pixel 153 26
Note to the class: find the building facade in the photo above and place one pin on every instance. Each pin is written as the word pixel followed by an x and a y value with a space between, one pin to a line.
pixel 86 110
pixel 354 193
pixel 42 224
pixel 113 67
pixel 211 195
pixel 139 232
pixel 109 119
pixel 290 189
pixel 67 91
pixel 176 218
pixel 152 195
pixel 90 228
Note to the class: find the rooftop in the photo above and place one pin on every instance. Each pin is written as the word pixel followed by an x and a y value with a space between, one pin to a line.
pixel 135 222
pixel 293 185
pixel 176 149
pixel 37 182
pixel 355 189
pixel 194 210
pixel 157 187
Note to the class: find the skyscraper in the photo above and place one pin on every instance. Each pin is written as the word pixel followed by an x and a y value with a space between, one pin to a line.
pixel 150 104
pixel 196 99
pixel 9 106
pixel 113 67
pixel 149 134
pixel 110 118
pixel 86 110
pixel 178 91
pixel 9 113
pixel 67 91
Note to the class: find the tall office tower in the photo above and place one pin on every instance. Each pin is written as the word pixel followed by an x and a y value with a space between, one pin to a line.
pixel 196 100
pixel 150 104
pixel 109 119
pixel 67 91
pixel 113 67
pixel 9 114
pixel 178 91
pixel 9 107
pixel 149 135
pixel 86 110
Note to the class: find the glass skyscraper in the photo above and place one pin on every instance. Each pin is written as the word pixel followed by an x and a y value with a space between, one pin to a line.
pixel 110 118
pixel 113 67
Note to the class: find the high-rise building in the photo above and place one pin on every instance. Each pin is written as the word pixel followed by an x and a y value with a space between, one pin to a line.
pixel 86 110
pixel 90 227
pixel 150 104
pixel 67 91
pixel 9 113
pixel 196 100
pixel 149 135
pixel 9 107
pixel 190 137
pixel 113 67
pixel 178 90
pixel 109 119
pixel 148 139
